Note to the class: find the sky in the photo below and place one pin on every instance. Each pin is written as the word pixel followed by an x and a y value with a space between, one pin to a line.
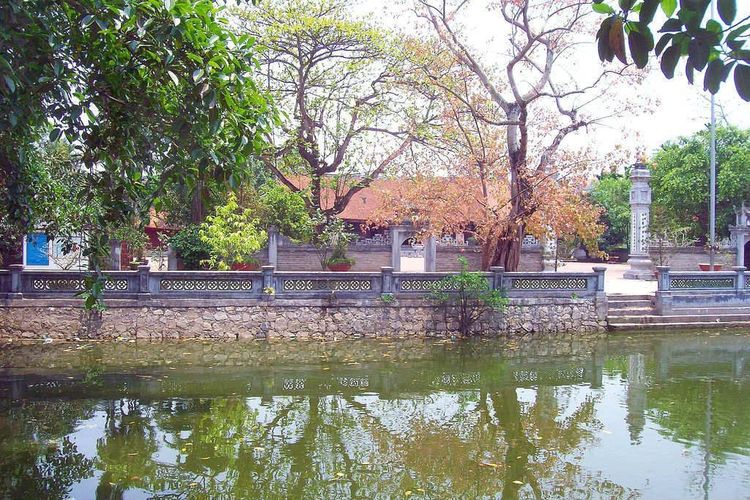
pixel 679 108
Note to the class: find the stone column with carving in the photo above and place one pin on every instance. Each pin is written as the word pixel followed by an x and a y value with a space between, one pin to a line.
pixel 641 267
pixel 740 231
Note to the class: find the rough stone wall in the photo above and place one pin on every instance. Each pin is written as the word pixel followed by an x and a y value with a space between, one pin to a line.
pixel 308 318
pixel 688 258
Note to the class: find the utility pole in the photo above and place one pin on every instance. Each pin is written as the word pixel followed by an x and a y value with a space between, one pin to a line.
pixel 712 188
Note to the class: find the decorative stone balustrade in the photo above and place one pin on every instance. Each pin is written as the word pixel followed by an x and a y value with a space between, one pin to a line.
pixel 700 289
pixel 143 284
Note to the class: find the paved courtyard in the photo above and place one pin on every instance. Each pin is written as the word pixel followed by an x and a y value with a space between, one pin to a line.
pixel 613 280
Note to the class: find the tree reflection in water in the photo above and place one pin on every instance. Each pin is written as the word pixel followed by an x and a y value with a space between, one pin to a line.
pixel 454 423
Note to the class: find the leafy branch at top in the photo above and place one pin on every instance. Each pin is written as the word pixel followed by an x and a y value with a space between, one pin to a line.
pixel 714 47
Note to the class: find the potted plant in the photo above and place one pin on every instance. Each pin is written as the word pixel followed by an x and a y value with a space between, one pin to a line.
pixel 233 236
pixel 135 240
pixel 332 243
pixel 338 260
pixel 191 251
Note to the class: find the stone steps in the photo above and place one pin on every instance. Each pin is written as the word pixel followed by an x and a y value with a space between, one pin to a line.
pixel 623 326
pixel 631 311
pixel 636 312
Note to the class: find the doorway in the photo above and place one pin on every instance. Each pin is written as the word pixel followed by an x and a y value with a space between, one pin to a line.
pixel 412 256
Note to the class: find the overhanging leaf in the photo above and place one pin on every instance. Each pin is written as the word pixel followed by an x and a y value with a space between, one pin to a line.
pixel 727 10
pixel 617 40
pixel 602 8
pixel 669 60
pixel 668 6
pixel 698 51
pixel 648 10
pixel 639 48
pixel 742 81
pixel 712 78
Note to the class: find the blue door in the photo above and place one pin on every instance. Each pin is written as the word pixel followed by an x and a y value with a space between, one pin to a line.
pixel 37 248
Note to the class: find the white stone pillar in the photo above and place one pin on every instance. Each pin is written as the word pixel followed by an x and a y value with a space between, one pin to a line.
pixel 740 232
pixel 395 248
pixel 430 254
pixel 273 246
pixel 641 267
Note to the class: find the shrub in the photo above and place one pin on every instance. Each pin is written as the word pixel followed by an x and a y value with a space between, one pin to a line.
pixel 233 235
pixel 285 210
pixel 189 247
pixel 467 297
pixel 335 240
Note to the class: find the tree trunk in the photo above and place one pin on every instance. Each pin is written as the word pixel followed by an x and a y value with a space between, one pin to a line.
pixel 197 206
pixel 508 249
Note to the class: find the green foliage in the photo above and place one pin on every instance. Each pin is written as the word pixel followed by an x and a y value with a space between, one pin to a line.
pixel 134 236
pixel 387 298
pixel 467 297
pixel 332 76
pixel 611 191
pixel 664 233
pixel 49 196
pixel 680 178
pixel 332 239
pixel 715 47
pixel 232 234
pixel 93 293
pixel 285 210
pixel 149 92
pixel 190 247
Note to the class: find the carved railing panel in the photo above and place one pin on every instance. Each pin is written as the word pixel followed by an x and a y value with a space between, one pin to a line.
pixel 208 285
pixel 574 283
pixel 309 285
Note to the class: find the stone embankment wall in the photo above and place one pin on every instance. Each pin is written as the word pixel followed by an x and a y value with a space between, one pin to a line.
pixel 320 319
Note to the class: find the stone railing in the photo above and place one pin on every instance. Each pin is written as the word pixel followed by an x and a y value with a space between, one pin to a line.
pixel 144 284
pixel 691 289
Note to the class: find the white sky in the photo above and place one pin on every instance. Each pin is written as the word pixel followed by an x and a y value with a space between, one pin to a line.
pixel 682 108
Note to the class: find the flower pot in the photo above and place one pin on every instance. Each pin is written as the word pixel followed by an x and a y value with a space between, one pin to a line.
pixel 245 266
pixel 339 266
pixel 707 267
pixel 134 266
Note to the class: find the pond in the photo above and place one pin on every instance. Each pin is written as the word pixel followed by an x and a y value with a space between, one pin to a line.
pixel 622 417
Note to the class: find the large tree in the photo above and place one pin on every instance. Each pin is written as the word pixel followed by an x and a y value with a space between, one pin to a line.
pixel 147 92
pixel 532 95
pixel 474 198
pixel 679 179
pixel 334 78
pixel 611 192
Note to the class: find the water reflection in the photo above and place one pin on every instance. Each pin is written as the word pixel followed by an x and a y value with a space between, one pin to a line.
pixel 654 416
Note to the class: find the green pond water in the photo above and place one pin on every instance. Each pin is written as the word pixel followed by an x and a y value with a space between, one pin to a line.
pixel 623 417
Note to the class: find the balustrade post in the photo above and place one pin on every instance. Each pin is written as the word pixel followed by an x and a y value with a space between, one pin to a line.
pixel 386 276
pixel 663 292
pixel 268 281
pixel 600 297
pixel 497 277
pixel 663 281
pixel 143 278
pixel 600 270
pixel 741 280
pixel 15 281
